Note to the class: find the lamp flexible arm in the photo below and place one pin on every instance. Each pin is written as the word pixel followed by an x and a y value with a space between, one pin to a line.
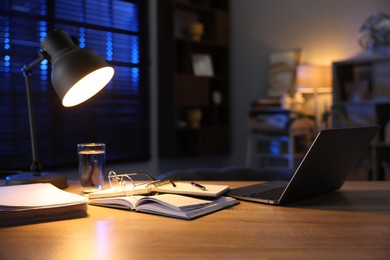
pixel 36 166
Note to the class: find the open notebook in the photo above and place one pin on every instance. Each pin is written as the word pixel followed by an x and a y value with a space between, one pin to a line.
pixel 171 205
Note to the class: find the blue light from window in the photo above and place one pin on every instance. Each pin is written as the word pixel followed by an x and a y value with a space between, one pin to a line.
pixel 7 61
pixel 135 78
pixel 42 30
pixel 134 45
pixel 16 50
pixel 44 64
pixel 132 13
pixel 129 16
pixel 82 37
pixel 109 52
pixel 7 40
pixel 42 10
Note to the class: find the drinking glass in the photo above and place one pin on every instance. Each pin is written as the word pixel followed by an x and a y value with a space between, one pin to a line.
pixel 91 166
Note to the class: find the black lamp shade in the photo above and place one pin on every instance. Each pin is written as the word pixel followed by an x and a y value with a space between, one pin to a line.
pixel 77 74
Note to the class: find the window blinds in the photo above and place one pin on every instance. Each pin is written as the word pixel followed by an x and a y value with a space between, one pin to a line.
pixel 117 116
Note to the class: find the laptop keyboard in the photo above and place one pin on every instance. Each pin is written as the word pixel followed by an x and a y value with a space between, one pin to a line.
pixel 272 194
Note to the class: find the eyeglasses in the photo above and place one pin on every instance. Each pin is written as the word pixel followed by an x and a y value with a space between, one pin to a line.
pixel 128 182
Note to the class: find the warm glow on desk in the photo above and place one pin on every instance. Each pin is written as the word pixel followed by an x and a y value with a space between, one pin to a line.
pixel 88 86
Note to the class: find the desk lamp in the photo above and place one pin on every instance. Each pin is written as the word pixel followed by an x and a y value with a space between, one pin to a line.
pixel 77 75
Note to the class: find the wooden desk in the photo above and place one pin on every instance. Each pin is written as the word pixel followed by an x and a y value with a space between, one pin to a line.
pixel 353 223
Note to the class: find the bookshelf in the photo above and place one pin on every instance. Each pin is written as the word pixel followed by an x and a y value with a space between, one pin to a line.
pixel 193 78
pixel 361 89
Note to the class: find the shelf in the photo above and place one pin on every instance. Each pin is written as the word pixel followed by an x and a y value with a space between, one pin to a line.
pixel 362 89
pixel 201 44
pixel 202 5
pixel 193 79
pixel 217 54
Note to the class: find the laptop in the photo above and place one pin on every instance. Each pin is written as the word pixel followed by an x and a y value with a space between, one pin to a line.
pixel 324 168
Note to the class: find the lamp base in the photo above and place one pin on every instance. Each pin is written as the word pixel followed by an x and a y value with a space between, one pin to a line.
pixel 46 177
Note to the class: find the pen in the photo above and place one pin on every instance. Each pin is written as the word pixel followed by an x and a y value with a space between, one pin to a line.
pixel 198 185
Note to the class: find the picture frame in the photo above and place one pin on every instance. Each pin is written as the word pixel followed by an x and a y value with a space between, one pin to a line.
pixel 282 72
pixel 202 65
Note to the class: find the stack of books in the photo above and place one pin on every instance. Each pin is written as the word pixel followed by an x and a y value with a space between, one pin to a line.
pixel 39 202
